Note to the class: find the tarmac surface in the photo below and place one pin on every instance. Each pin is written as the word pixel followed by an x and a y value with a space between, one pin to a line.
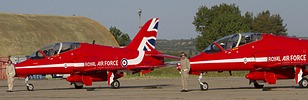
pixel 222 88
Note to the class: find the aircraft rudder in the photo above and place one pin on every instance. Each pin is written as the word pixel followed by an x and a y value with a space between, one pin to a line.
pixel 146 37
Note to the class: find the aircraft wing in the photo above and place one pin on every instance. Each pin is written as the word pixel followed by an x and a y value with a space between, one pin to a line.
pixel 148 68
pixel 91 69
pixel 169 63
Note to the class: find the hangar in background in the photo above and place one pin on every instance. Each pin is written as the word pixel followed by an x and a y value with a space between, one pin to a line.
pixel 23 34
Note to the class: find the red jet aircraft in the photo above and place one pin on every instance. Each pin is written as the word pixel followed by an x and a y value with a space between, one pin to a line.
pixel 87 63
pixel 266 56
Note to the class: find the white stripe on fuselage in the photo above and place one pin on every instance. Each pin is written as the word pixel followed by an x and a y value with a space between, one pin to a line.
pixel 136 60
pixel 54 65
pixel 236 60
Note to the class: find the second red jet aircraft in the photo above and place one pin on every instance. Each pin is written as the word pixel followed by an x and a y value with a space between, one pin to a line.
pixel 266 56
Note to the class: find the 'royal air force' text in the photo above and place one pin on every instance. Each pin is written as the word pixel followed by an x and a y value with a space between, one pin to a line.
pixel 287 58
pixel 102 63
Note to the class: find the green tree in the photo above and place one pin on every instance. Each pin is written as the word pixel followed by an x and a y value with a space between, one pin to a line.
pixel 264 22
pixel 249 19
pixel 122 38
pixel 216 22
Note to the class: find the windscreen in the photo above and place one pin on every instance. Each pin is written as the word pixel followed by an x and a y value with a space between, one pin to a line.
pixel 56 48
pixel 232 41
pixel 225 43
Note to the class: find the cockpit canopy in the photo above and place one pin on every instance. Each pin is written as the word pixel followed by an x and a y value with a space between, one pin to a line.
pixel 232 41
pixel 53 49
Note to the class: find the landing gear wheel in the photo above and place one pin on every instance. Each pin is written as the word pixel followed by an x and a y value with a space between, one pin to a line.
pixel 115 84
pixel 204 86
pixel 78 86
pixel 303 83
pixel 257 85
pixel 30 87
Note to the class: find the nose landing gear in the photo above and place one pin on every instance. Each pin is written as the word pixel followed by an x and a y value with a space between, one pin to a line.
pixel 203 85
pixel 30 87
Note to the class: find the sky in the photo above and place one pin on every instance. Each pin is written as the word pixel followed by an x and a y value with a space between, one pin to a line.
pixel 176 16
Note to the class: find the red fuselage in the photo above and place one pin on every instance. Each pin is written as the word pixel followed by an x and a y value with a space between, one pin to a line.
pixel 88 57
pixel 259 53
pixel 87 63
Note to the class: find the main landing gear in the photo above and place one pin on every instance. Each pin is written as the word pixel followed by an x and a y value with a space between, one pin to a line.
pixel 115 84
pixel 30 87
pixel 303 83
pixel 78 85
pixel 256 84
pixel 203 85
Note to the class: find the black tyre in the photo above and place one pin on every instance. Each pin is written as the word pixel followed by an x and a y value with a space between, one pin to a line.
pixel 78 86
pixel 30 87
pixel 204 86
pixel 115 84
pixel 257 85
pixel 303 83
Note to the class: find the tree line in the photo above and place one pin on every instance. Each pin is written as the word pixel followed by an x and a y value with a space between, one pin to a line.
pixel 121 37
pixel 221 20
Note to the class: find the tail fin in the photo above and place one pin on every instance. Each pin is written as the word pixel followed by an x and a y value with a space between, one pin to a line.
pixel 146 37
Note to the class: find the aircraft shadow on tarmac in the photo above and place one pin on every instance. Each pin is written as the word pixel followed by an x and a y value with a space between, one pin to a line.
pixel 160 86
pixel 14 86
pixel 266 88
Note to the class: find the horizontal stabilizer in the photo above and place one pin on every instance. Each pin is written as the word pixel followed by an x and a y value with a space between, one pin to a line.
pixel 166 56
